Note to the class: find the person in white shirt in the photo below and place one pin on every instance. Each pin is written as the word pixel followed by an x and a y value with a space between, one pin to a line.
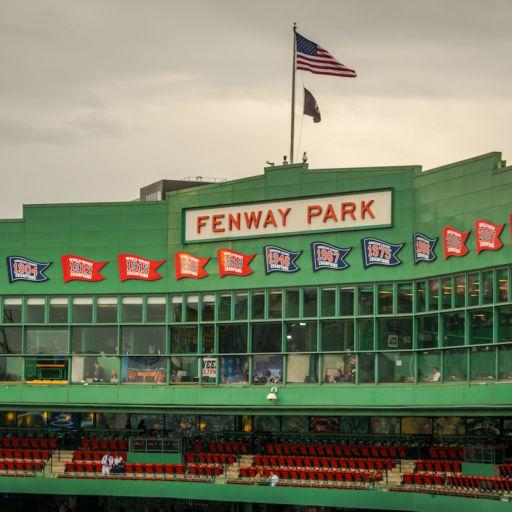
pixel 437 375
pixel 107 462
pixel 273 479
pixel 118 460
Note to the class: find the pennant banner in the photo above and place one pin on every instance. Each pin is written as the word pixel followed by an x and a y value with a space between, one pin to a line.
pixel 280 260
pixel 188 265
pixel 75 268
pixel 135 267
pixel 423 248
pixel 378 252
pixel 234 263
pixel 23 269
pixel 328 256
pixel 454 242
pixel 487 236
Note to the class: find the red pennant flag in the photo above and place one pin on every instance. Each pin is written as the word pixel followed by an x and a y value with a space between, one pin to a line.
pixel 76 268
pixel 453 242
pixel 135 267
pixel 234 263
pixel 487 236
pixel 188 265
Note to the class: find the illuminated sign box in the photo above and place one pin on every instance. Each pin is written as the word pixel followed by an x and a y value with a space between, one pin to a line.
pixel 310 215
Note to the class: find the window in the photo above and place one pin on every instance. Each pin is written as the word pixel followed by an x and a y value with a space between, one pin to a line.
pixel 267 369
pixel 396 367
pixel 81 310
pixel 453 329
pixel 433 294
pixel 474 288
pixel 385 299
pixel 208 307
pixel 106 310
pixel 365 368
pixel 225 307
pixel 12 310
pixel 241 302
pixel 94 340
pixel 455 365
pixel 310 302
pixel 183 340
pixel 483 363
pixel 132 309
pixel 338 368
pixel 428 362
pixel 395 332
pixel 504 323
pixel 488 287
pixel 328 301
pixel 232 338
pixel 184 370
pixel 234 369
pixel 275 304
pixel 145 370
pixel 35 310
pixel 502 275
pixel 191 310
pixel 143 340
pixel 365 334
pixel 404 298
pixel 208 339
pixel 346 301
pixel 155 309
pixel 427 331
pixel 338 335
pixel 420 296
pixel 365 300
pixel 58 313
pixel 258 305
pixel 267 337
pixel 446 283
pixel 10 340
pixel 480 331
pixel 301 369
pixel 46 340
pixel 176 309
pixel 292 303
pixel 460 291
pixel 301 336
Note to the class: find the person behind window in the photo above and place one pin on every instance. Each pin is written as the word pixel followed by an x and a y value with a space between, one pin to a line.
pixel 98 374
pixel 114 377
pixel 436 377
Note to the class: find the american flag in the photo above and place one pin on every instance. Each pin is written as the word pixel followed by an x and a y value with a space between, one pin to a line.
pixel 314 58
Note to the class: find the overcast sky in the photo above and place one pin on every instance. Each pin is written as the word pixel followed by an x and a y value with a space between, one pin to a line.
pixel 101 97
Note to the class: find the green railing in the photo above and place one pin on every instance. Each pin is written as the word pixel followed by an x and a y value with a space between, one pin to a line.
pixel 154 445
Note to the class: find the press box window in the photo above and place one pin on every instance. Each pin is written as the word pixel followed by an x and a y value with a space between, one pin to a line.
pixel 58 310
pixel 346 301
pixel 241 302
pixel 208 308
pixel 35 310
pixel 12 310
pixel 176 309
pixel 81 310
pixel 106 310
pixel 191 309
pixel 155 309
pixel 132 309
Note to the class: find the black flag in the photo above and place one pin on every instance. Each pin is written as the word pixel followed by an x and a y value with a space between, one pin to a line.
pixel 311 107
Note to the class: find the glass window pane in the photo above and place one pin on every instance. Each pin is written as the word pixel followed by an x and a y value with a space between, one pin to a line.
pixel 209 370
pixel 488 287
pixel 453 329
pixel 176 309
pixel 483 363
pixel 94 340
pixel 395 332
pixel 433 294
pixel 95 369
pixel 428 335
pixel 258 305
pixel 365 334
pixel 47 341
pixel 267 337
pixel 429 363
pixel 420 296
pixel 132 309
pixel 208 339
pixel 474 288
pixel 502 275
pixel 12 310
pixel 310 302
pixel 365 300
pixel 505 361
pixel 58 313
pixel 267 369
pixel 241 306
pixel 346 300
pixel 338 368
pixel 225 307
pixel 396 367
pixel 144 370
pixel 460 291
pixel 385 299
pixel 81 310
pixel 275 304
pixel 504 323
pixel 46 370
pixel 301 336
pixel 455 365
pixel 232 338
pixel 208 307
pixel 301 369
pixel 143 340
pixel 10 340
pixel 184 370
pixel 234 369
pixel 106 310
pixel 191 310
pixel 292 303
pixel 338 335
pixel 211 423
pixel 404 299
pixel 155 309
pixel 328 301
pixel 183 340
pixel 480 330
pixel 366 368
pixel 11 369
pixel 35 310
pixel 446 283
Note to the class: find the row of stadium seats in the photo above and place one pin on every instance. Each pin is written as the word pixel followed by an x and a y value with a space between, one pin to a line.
pixel 326 450
pixel 28 443
pixel 439 466
pixel 324 462
pixel 506 470
pixel 24 454
pixel 447 453
pixel 480 482
pixel 84 455
pixel 464 493
pixel 18 465
pixel 211 458
pixel 142 468
pixel 423 478
pixel 221 447
pixel 105 444
pixel 313 474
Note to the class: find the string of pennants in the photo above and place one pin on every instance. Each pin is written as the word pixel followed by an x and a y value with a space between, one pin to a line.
pixel 324 256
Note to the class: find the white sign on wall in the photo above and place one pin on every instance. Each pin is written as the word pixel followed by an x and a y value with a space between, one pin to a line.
pixel 313 214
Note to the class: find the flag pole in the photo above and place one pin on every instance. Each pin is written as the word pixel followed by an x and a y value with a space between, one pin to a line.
pixel 292 134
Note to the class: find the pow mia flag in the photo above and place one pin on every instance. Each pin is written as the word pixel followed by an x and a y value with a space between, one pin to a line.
pixel 311 107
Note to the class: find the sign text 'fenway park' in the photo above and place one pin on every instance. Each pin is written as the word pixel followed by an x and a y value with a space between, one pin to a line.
pixel 312 214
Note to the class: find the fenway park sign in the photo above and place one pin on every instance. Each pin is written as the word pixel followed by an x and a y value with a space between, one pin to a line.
pixel 277 218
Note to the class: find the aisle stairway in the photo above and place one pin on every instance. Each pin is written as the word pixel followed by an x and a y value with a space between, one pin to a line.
pixel 57 463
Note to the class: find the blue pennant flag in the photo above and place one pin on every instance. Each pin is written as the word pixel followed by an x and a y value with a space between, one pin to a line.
pixel 280 260
pixel 328 256
pixel 23 269
pixel 378 252
pixel 423 248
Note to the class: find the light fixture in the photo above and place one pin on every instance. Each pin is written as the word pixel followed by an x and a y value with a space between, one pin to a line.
pixel 272 396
